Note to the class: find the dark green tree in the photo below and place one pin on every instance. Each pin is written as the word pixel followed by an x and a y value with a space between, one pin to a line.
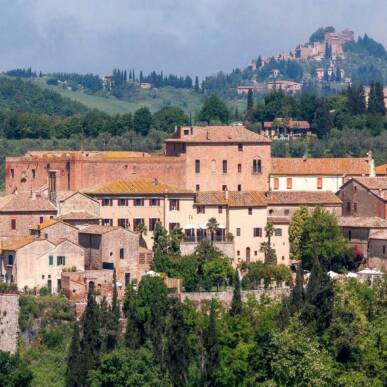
pixel 91 339
pixel 179 353
pixel 297 297
pixel 74 361
pixel 322 123
pixel 214 110
pixel 197 89
pixel 142 120
pixel 14 371
pixel 160 240
pixel 211 348
pixel 236 303
pixel 134 329
pixel 167 118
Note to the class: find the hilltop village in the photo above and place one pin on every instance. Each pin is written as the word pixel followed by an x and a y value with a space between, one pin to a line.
pixel 69 218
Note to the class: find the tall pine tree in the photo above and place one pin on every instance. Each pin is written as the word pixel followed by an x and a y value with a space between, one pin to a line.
pixel 236 303
pixel 211 349
pixel 74 370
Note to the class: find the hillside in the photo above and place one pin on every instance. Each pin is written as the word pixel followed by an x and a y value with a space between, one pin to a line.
pixel 25 97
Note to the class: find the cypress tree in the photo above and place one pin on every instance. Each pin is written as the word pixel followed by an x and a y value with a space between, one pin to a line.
pixel 178 355
pixel 372 100
pixel 197 84
pixel 297 297
pixel 74 361
pixel 113 318
pixel 361 101
pixel 250 101
pixel 211 349
pixel 91 341
pixel 132 334
pixel 379 93
pixel 236 303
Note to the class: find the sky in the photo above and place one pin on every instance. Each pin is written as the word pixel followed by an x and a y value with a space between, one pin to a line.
pixel 195 37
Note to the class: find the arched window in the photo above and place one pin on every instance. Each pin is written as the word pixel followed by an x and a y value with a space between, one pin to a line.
pixel 247 254
pixel 257 166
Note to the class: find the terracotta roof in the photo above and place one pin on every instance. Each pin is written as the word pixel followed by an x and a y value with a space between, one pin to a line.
pixel 382 235
pixel 302 197
pixel 279 219
pixel 79 215
pixel 324 166
pixel 23 202
pixel 18 244
pixel 99 230
pixel 289 124
pixel 373 183
pixel 235 198
pixel 381 169
pixel 205 134
pixel 362 222
pixel 143 186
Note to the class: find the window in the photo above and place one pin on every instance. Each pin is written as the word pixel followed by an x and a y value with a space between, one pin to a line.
pixel 197 187
pixel 224 187
pixel 154 202
pixel 355 208
pixel 278 231
pixel 122 253
pixel 107 222
pixel 354 188
pixel 141 258
pixel 276 183
pixel 257 167
pixel 240 147
pixel 255 252
pixel 41 220
pixel 186 132
pixel 138 202
pixel 10 260
pixel 107 202
pixel 50 260
pixel 122 222
pixel 238 232
pixel 224 164
pixel 349 206
pixel 349 235
pixel 123 202
pixel 257 232
pixel 12 173
pixel 238 253
pixel 239 168
pixel 33 174
pixel 239 187
pixel 220 209
pixel 384 249
pixel 250 211
pixel 174 205
pixel 271 211
pixel 197 166
pixel 201 209
pixel 152 223
pixel 137 222
pixel 289 183
pixel 127 279
pixel 108 265
pixel 60 260
pixel 319 183
pixel 172 226
pixel 13 224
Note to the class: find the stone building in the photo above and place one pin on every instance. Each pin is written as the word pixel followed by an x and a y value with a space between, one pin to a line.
pixel 364 197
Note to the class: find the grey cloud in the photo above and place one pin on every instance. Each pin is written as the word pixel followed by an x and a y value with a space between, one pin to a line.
pixel 180 36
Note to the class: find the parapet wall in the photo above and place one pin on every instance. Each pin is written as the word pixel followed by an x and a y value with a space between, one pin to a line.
pixel 226 296
pixel 9 325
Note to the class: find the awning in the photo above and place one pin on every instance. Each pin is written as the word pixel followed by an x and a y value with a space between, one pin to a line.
pixel 203 226
pixel 222 226
pixel 189 226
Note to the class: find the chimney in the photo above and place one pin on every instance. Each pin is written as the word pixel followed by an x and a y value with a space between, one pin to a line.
pixel 226 194
pixel 371 164
pixel 155 181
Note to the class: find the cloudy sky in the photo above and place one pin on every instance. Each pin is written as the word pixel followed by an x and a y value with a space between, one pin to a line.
pixel 180 36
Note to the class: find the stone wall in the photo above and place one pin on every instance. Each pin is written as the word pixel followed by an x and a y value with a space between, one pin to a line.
pixel 9 326
pixel 226 296
pixel 227 249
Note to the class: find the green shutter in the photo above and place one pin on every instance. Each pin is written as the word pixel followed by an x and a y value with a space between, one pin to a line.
pixel 64 260
pixel 57 261
pixel 50 260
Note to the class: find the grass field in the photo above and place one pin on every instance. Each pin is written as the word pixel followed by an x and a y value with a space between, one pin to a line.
pixel 188 100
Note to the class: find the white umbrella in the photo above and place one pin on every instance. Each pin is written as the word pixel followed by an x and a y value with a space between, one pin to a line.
pixel 351 275
pixel 189 226
pixel 203 226
pixel 222 226
pixel 332 274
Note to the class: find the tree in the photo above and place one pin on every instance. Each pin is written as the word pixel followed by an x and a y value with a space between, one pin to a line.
pixel 266 248
pixel 295 230
pixel 211 348
pixel 142 121
pixel 322 237
pixel 214 110
pixel 197 88
pixel 168 117
pixel 217 272
pixel 14 371
pixel 322 123
pixel 91 341
pixel 317 312
pixel 142 230
pixel 160 240
pixel 250 100
pixel 127 367
pixel 297 297
pixel 74 361
pixel 134 330
pixel 376 99
pixel 213 227
pixel 236 303
pixel 175 238
pixel 178 347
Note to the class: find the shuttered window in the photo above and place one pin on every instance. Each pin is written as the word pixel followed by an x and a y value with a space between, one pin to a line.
pixel 50 260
